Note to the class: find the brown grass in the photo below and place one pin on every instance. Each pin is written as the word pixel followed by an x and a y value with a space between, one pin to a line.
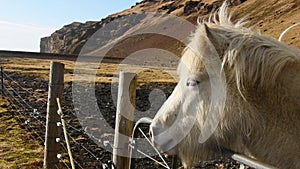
pixel 106 72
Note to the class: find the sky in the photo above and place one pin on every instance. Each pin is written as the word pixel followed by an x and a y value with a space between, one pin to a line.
pixel 24 22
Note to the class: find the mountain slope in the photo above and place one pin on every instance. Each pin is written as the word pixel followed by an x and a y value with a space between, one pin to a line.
pixel 270 17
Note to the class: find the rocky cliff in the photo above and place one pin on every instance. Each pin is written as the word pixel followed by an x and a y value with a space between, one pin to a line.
pixel 70 38
pixel 268 16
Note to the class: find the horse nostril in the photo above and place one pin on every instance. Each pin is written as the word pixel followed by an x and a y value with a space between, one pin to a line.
pixel 150 134
pixel 154 131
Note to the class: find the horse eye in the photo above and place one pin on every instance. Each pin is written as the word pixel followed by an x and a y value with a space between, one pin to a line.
pixel 192 82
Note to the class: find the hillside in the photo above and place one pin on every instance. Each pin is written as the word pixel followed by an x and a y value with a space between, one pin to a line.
pixel 269 17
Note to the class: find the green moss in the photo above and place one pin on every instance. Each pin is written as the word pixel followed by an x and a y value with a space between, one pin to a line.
pixel 17 149
pixel 2 110
pixel 3 105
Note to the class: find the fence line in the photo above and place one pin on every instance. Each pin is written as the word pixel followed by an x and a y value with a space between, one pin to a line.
pixel 65 133
pixel 74 128
pixel 64 148
pixel 19 103
pixel 25 107
pixel 53 131
pixel 22 114
pixel 15 82
pixel 30 108
pixel 2 81
pixel 28 124
pixel 65 164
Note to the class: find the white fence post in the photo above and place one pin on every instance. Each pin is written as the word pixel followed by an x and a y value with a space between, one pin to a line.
pixel 124 119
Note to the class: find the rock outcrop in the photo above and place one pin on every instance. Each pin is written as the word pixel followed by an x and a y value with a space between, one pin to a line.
pixel 269 17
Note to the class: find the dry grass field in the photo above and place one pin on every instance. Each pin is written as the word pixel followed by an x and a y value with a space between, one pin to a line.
pixel 106 72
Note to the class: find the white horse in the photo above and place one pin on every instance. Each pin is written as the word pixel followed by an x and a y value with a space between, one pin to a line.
pixel 238 90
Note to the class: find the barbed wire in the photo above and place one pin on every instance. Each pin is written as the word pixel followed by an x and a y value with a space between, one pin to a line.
pixel 24 106
pixel 20 102
pixel 15 82
pixel 68 125
pixel 27 124
pixel 82 146
pixel 65 164
pixel 74 128
pixel 65 148
pixel 18 84
pixel 71 113
pixel 27 107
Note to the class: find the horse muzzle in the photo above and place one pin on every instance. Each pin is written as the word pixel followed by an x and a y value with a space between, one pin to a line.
pixel 160 138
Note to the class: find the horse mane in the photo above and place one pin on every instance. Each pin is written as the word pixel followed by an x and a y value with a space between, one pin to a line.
pixel 249 61
pixel 251 57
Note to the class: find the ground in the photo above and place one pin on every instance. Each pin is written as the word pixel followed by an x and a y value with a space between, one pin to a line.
pixel 106 73
pixel 18 149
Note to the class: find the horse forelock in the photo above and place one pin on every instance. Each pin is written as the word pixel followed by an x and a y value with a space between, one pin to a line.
pixel 190 63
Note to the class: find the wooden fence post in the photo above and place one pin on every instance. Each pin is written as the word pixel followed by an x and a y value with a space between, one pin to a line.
pixel 56 85
pixel 2 81
pixel 124 119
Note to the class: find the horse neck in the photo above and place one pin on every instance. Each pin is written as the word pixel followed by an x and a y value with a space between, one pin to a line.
pixel 289 82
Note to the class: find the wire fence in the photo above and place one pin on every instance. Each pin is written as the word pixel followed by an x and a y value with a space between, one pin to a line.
pixel 29 104
pixel 33 117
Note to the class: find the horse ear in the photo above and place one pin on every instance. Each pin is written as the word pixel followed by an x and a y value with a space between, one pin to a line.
pixel 213 37
pixel 207 31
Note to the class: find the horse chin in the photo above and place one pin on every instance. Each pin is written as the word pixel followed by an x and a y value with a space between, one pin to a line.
pixel 172 152
pixel 165 145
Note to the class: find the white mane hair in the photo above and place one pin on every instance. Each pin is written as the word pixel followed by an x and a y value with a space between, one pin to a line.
pixel 258 91
pixel 251 57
